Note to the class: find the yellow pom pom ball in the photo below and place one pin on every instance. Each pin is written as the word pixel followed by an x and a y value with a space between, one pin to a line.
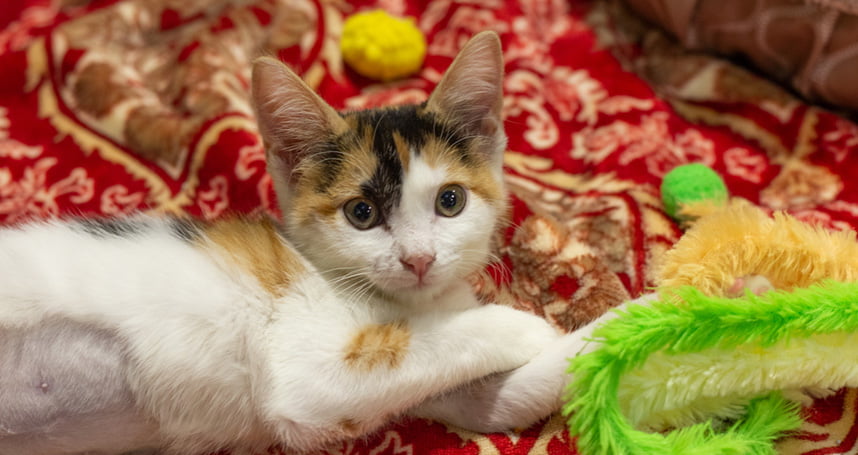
pixel 380 46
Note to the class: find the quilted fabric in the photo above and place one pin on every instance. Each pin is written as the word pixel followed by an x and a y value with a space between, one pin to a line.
pixel 109 107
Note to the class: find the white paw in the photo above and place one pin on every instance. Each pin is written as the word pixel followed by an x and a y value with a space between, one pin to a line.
pixel 520 336
pixel 512 400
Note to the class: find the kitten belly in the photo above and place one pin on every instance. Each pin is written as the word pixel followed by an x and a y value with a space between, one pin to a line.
pixel 63 389
pixel 102 325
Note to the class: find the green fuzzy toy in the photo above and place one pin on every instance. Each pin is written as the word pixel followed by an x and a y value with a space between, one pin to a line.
pixel 693 374
pixel 688 184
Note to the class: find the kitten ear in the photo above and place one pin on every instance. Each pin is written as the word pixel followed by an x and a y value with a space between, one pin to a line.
pixel 293 119
pixel 471 92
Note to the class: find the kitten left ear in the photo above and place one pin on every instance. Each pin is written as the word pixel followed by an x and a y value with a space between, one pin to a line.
pixel 470 94
pixel 293 120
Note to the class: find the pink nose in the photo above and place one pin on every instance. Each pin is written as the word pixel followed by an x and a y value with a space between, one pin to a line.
pixel 418 264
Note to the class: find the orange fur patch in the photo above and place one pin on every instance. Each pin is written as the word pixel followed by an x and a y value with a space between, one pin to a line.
pixel 378 345
pixel 351 428
pixel 403 150
pixel 477 178
pixel 357 167
pixel 256 247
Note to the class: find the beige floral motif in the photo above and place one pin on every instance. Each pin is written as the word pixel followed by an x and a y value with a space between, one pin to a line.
pixel 118 200
pixel 842 140
pixel 12 149
pixel 801 185
pixel 541 22
pixel 391 94
pixel 650 140
pixel 32 197
pixel 821 219
pixel 251 161
pixel 570 91
pixel 392 445
pixel 566 258
pixel 394 7
pixel 17 35
pixel 251 158
pixel 574 94
pixel 550 432
pixel 849 208
pixel 745 164
pixel 467 20
pixel 214 200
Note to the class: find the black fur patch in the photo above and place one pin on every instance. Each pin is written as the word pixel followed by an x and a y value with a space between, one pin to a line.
pixel 186 229
pixel 330 159
pixel 385 185
pixel 110 227
pixel 413 124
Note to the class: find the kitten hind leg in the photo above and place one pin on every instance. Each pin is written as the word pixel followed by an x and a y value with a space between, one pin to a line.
pixel 63 391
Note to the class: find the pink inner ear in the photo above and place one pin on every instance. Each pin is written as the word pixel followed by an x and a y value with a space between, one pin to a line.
pixel 292 118
pixel 471 91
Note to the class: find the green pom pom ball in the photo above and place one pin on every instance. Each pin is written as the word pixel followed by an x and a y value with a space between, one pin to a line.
pixel 691 183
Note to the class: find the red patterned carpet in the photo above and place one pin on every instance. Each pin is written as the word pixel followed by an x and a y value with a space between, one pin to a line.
pixel 110 107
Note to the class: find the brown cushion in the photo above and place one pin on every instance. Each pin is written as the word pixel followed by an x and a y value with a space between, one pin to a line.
pixel 811 45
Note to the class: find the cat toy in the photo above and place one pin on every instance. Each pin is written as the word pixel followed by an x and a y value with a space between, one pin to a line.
pixel 695 372
pixel 380 46
pixel 691 184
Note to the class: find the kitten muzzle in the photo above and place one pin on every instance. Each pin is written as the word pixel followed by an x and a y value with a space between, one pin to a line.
pixel 418 264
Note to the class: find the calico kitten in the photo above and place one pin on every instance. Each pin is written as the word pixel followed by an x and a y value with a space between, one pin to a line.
pixel 187 336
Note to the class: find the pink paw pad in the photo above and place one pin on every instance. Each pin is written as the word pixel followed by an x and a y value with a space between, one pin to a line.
pixel 757 284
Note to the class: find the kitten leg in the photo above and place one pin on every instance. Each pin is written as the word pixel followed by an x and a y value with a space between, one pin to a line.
pixel 521 397
pixel 511 400
pixel 375 376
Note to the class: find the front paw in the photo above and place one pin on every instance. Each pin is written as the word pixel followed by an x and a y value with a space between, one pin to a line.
pixel 509 400
pixel 519 336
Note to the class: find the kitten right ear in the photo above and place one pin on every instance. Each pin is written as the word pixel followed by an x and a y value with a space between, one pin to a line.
pixel 292 118
pixel 471 92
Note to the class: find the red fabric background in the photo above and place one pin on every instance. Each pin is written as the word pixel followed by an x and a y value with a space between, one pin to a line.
pixel 90 92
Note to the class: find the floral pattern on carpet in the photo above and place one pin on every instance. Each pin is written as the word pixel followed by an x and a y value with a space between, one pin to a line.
pixel 109 107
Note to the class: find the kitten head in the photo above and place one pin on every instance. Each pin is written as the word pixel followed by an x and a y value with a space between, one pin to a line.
pixel 404 198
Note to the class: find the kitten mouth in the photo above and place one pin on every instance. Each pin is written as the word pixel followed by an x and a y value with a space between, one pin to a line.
pixel 422 278
pixel 411 283
pixel 418 283
pixel 422 283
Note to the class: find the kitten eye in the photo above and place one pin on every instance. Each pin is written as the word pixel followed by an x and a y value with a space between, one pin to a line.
pixel 451 200
pixel 361 213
